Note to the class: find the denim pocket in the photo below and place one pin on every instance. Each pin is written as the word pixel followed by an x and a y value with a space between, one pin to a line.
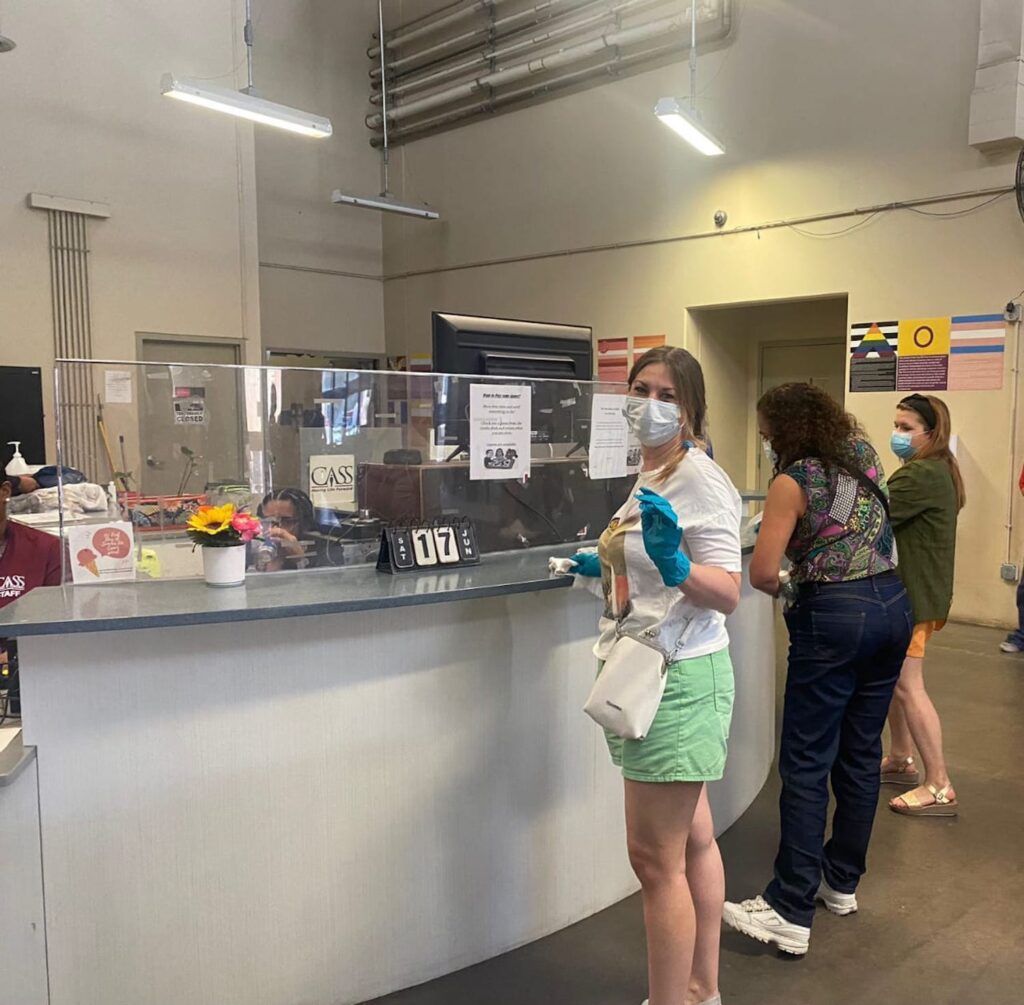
pixel 837 635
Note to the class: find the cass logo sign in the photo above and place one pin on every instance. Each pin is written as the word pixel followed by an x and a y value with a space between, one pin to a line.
pixel 332 481
pixel 11 586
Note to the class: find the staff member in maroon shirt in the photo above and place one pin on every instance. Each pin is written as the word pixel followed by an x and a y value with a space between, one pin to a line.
pixel 28 558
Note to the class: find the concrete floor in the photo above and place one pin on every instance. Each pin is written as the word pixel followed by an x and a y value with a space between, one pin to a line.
pixel 942 908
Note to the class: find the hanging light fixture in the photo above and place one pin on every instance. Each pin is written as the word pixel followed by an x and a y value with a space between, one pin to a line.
pixel 246 104
pixel 681 115
pixel 385 202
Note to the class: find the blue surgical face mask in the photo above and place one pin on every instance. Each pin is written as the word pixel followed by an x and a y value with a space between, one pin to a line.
pixel 902 445
pixel 769 452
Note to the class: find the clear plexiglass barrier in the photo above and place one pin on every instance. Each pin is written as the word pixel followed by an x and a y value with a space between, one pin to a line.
pixel 327 459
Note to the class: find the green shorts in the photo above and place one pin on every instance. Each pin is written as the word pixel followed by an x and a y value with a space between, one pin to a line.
pixel 688 739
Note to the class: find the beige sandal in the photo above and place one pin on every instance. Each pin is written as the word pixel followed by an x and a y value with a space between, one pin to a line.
pixel 912 806
pixel 900 771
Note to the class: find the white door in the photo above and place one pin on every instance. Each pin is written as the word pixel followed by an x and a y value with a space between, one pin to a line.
pixel 191 414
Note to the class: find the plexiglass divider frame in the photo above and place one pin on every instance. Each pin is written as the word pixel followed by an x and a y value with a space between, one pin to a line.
pixel 327 458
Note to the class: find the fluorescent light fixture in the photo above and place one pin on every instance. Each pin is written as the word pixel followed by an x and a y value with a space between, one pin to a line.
pixel 385 203
pixel 684 121
pixel 245 106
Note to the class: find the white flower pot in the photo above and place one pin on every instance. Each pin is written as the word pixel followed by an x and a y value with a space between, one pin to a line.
pixel 224 566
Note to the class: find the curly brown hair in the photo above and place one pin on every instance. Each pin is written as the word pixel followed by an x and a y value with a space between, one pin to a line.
pixel 806 422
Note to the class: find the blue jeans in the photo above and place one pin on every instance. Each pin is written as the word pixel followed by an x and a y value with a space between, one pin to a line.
pixel 847 642
pixel 1017 637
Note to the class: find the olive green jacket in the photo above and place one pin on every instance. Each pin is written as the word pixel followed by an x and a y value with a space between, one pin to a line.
pixel 923 503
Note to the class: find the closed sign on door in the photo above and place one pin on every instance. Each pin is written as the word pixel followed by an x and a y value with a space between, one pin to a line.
pixel 332 481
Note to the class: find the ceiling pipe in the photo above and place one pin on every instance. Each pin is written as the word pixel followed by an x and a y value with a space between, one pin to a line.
pixel 445 64
pixel 503 77
pixel 611 68
pixel 609 12
pixel 494 102
pixel 490 31
pixel 404 34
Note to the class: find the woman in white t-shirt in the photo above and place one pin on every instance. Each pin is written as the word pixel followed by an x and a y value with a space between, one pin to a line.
pixel 670 568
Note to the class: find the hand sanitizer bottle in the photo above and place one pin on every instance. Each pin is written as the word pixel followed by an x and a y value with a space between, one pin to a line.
pixel 16 465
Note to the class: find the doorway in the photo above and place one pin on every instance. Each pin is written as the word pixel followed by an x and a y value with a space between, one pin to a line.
pixel 808 362
pixel 192 411
pixel 746 348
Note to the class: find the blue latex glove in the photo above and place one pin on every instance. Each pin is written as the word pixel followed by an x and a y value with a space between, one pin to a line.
pixel 587 564
pixel 662 537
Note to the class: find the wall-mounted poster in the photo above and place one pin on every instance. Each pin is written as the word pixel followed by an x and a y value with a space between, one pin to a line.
pixel 613 360
pixel 873 355
pixel 615 356
pixel 962 353
pixel 641 343
pixel 923 354
pixel 977 348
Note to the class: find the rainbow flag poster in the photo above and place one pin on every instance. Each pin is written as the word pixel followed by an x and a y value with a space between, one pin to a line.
pixel 977 349
pixel 874 348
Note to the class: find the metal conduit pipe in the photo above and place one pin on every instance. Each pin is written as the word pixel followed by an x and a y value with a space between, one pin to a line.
pixel 503 77
pixel 703 235
pixel 611 68
pixel 520 21
pixel 444 64
pixel 404 34
pixel 609 12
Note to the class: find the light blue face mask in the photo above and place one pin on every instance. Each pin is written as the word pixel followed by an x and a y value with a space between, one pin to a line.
pixel 902 445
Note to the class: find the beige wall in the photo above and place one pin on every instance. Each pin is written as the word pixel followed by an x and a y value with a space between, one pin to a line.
pixel 82 116
pixel 312 54
pixel 824 105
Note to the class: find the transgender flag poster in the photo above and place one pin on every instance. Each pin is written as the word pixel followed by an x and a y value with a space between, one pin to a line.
pixel 977 348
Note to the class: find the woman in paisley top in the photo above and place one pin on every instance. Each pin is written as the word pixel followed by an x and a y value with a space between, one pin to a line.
pixel 849 624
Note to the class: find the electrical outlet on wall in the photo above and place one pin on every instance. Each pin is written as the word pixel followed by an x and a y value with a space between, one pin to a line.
pixel 1009 572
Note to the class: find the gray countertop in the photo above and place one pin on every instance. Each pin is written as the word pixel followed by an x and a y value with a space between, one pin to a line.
pixel 64 610
pixel 61 610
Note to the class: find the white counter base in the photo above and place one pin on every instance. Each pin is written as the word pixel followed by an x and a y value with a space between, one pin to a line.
pixel 323 810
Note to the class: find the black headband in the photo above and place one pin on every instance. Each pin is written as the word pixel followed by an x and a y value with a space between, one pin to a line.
pixel 920 404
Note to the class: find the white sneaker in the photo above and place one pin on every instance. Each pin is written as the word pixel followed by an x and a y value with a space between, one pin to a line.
pixel 838 903
pixel 758 919
pixel 1009 647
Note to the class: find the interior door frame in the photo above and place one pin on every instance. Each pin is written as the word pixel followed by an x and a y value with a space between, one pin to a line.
pixel 785 344
pixel 141 337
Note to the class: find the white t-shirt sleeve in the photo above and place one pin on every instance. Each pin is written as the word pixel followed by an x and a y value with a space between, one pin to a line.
pixel 709 512
pixel 716 542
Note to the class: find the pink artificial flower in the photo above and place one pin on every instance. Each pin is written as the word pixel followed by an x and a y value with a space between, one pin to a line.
pixel 246 525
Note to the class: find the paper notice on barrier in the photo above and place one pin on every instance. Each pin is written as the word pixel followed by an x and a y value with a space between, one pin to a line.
pixel 117 387
pixel 609 437
pixel 499 431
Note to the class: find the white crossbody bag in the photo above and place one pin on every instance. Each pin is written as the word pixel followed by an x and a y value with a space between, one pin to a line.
pixel 626 695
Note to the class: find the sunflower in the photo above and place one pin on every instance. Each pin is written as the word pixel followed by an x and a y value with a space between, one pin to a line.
pixel 211 520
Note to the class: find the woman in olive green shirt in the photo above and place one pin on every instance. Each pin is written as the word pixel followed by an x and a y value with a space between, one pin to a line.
pixel 925 496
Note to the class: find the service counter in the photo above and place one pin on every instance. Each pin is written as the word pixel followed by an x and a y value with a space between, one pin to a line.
pixel 321 787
